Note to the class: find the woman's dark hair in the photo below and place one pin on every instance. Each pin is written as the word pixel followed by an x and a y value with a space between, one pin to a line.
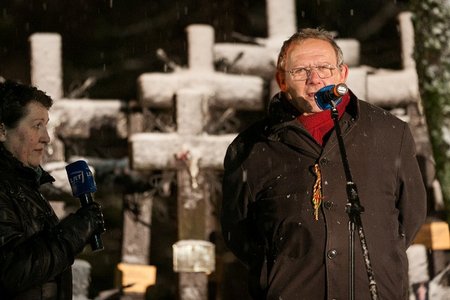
pixel 14 97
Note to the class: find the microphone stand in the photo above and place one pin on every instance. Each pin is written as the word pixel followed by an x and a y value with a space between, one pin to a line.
pixel 354 210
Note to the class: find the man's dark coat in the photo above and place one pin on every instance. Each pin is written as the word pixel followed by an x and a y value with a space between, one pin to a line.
pixel 268 216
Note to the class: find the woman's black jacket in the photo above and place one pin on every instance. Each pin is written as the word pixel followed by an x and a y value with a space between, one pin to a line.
pixel 35 262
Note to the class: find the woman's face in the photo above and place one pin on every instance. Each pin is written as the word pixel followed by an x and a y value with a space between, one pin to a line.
pixel 28 140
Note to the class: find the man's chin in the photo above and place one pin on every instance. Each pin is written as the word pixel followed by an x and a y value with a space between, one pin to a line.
pixel 305 107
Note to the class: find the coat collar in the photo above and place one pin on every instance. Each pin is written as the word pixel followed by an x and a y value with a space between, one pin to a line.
pixel 283 124
pixel 282 113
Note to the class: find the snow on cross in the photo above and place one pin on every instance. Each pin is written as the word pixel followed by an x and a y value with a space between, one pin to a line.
pixel 195 89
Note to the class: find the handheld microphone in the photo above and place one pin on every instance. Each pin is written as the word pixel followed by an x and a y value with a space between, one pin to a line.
pixel 82 183
pixel 330 93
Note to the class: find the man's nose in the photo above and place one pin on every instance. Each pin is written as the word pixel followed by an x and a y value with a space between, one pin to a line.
pixel 313 75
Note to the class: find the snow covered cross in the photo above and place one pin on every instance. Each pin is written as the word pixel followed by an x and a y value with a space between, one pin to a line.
pixel 190 150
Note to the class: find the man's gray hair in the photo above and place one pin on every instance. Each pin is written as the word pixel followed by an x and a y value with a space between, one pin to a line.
pixel 309 33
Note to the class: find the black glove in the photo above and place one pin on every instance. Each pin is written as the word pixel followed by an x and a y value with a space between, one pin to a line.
pixel 77 229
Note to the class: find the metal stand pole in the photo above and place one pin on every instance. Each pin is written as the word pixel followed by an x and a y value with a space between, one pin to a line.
pixel 354 210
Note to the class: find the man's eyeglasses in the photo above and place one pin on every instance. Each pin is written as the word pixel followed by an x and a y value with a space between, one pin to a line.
pixel 303 73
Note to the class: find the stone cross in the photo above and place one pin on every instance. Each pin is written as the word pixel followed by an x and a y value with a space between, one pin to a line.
pixel 189 150
pixel 282 23
pixel 368 83
pixel 76 119
pixel 245 92
pixel 69 118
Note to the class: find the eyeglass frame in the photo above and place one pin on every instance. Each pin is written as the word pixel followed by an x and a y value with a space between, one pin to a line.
pixel 310 69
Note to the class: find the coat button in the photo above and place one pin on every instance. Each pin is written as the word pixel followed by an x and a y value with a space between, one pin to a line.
pixel 328 204
pixel 324 161
pixel 332 253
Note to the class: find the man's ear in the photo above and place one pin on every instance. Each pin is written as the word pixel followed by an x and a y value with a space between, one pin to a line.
pixel 343 72
pixel 2 132
pixel 280 76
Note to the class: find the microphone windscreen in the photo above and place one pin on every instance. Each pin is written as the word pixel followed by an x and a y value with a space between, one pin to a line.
pixel 326 94
pixel 80 178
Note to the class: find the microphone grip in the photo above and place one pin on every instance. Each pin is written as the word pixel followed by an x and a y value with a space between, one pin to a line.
pixel 96 243
pixel 96 240
pixel 85 199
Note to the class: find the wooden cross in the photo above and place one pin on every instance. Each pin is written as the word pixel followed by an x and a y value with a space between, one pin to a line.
pixel 189 150
pixel 76 118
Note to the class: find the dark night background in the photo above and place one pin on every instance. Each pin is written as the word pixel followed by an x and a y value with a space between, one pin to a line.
pixel 115 41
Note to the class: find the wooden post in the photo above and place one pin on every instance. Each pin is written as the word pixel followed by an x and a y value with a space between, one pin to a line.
pixel 190 150
pixel 46 66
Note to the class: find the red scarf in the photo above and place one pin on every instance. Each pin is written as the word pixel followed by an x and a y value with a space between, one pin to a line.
pixel 319 124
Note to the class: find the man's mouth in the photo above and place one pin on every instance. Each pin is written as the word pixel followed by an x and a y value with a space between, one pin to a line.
pixel 311 95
